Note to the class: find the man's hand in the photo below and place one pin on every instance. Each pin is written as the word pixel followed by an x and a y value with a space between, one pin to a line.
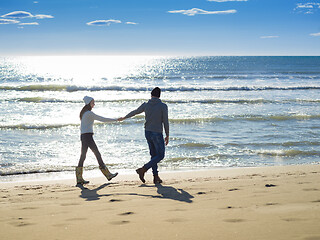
pixel 166 140
pixel 121 119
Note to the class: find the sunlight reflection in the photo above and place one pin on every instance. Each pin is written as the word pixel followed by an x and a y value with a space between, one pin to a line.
pixel 83 70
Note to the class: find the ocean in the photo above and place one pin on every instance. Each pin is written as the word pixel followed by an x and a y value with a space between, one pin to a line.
pixel 224 112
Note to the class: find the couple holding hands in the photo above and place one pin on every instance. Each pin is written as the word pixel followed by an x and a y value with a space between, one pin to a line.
pixel 156 118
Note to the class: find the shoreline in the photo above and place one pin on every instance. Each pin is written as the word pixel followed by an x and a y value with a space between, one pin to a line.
pixel 277 202
pixel 130 174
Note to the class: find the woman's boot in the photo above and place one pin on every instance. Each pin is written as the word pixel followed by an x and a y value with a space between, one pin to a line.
pixel 80 180
pixel 108 174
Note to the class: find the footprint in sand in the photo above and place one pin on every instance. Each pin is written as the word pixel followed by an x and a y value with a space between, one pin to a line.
pixel 20 222
pixel 310 189
pixel 175 220
pixel 32 188
pixel 126 213
pixel 223 179
pixel 115 200
pixel 270 185
pixel 292 219
pixel 178 210
pixel 304 182
pixel 69 204
pixel 59 225
pixel 235 220
pixel 232 207
pixel 28 208
pixel 313 238
pixel 271 204
pixel 200 193
pixel 76 219
pixel 119 222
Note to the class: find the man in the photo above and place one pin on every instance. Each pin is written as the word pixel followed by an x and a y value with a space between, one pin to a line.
pixel 156 117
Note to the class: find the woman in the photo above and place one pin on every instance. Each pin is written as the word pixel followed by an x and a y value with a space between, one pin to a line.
pixel 87 118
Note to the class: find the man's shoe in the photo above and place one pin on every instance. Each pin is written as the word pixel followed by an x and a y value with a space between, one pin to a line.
pixel 156 179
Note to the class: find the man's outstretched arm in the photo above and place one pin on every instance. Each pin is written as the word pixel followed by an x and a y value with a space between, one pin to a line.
pixel 134 112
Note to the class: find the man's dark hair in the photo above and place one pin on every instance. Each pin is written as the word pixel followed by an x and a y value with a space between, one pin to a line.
pixel 156 92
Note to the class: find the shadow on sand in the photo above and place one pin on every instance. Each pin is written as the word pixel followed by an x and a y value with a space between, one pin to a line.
pixel 165 192
pixel 169 192
pixel 92 194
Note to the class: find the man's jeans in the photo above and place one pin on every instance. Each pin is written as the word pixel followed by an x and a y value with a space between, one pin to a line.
pixel 157 149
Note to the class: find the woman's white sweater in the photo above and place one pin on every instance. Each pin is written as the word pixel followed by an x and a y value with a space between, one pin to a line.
pixel 88 119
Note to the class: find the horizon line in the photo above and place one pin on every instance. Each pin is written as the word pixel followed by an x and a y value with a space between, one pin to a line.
pixel 156 55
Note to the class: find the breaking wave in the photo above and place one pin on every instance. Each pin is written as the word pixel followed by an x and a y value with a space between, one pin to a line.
pixel 140 119
pixel 32 171
pixel 200 101
pixel 37 127
pixel 287 153
pixel 70 88
pixel 195 145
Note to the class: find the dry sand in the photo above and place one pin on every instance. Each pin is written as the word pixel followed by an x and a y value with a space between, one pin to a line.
pixel 248 203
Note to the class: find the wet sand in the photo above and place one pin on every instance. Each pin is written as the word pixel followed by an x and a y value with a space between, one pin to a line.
pixel 246 203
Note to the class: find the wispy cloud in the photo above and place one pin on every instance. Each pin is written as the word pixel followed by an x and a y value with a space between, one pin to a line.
pixel 227 0
pixel 23 14
pixel 194 11
pixel 266 37
pixel 43 16
pixel 315 34
pixel 30 24
pixel 131 23
pixel 8 21
pixel 18 14
pixel 307 8
pixel 103 22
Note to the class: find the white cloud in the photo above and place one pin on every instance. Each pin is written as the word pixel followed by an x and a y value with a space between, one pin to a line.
pixel 43 16
pixel 307 5
pixel 266 37
pixel 307 8
pixel 194 11
pixel 227 0
pixel 23 14
pixel 315 34
pixel 30 24
pixel 18 14
pixel 132 23
pixel 103 22
pixel 8 21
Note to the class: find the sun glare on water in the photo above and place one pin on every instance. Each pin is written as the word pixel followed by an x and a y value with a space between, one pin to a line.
pixel 84 70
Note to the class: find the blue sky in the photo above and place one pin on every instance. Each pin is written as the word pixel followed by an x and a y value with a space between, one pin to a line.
pixel 160 27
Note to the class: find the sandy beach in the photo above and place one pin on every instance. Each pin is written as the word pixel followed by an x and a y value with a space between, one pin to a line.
pixel 246 203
